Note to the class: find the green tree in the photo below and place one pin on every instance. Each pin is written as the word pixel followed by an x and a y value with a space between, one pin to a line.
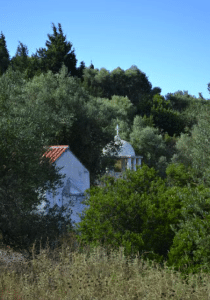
pixel 144 105
pixel 58 51
pixel 91 65
pixel 80 70
pixel 40 59
pixel 24 174
pixel 193 111
pixel 34 67
pixel 180 175
pixel 118 82
pixel 170 142
pixel 78 120
pixel 135 213
pixel 103 82
pixel 150 144
pixel 190 250
pixel 188 106
pixel 155 90
pixel 131 83
pixel 178 100
pixel 137 85
pixel 4 55
pixel 193 148
pixel 125 110
pixel 146 102
pixel 89 82
pixel 20 61
pixel 165 118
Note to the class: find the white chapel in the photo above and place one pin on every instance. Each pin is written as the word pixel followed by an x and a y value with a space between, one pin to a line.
pixel 76 182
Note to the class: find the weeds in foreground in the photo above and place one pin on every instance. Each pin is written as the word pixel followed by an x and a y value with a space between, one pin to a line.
pixel 85 273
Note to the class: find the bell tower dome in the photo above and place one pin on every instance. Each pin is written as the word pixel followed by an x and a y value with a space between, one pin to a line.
pixel 125 158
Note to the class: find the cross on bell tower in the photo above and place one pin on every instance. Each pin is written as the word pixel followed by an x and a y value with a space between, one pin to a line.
pixel 117 137
pixel 117 128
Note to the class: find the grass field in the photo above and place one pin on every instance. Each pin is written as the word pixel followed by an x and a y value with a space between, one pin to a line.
pixel 72 272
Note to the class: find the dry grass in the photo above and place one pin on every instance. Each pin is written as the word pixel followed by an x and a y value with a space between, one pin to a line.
pixel 71 272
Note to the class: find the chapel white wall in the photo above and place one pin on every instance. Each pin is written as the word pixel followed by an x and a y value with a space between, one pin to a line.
pixel 77 180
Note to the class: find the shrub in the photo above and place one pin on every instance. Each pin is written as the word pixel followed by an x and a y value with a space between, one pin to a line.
pixel 135 213
pixel 191 245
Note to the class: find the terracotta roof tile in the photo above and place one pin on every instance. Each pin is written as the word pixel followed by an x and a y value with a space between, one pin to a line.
pixel 54 152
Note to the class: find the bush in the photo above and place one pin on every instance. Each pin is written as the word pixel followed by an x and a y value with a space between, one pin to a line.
pixel 135 213
pixel 145 214
pixel 191 245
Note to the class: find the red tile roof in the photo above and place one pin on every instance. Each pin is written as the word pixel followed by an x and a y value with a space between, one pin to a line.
pixel 54 152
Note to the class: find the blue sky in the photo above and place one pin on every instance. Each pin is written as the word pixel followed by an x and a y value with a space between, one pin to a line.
pixel 167 40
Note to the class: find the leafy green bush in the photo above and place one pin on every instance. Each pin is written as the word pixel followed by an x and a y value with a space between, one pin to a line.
pixel 142 214
pixel 192 240
pixel 135 213
pixel 180 175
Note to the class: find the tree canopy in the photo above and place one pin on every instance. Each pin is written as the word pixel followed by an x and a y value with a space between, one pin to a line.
pixel 4 55
pixel 24 173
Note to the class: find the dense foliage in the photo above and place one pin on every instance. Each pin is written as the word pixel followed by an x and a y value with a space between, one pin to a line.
pixel 142 213
pixel 23 175
pixel 133 212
